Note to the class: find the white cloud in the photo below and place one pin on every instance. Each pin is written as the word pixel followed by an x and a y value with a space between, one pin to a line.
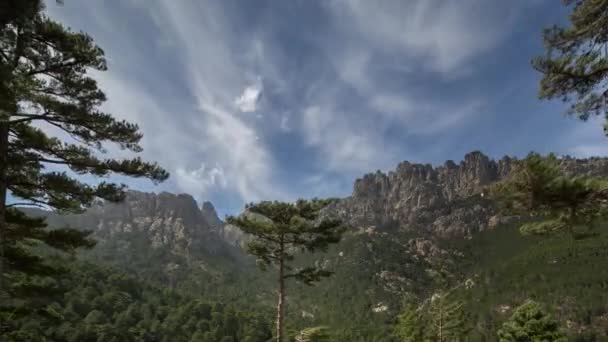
pixel 200 180
pixel 225 138
pixel 442 34
pixel 393 105
pixel 179 133
pixel 443 37
pixel 250 98
pixel 352 68
pixel 343 119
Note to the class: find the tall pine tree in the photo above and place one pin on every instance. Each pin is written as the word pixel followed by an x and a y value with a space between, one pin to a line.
pixel 574 69
pixel 440 318
pixel 45 86
pixel 410 325
pixel 281 230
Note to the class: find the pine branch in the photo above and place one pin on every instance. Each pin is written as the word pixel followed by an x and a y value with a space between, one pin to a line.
pixel 26 204
pixel 29 117
pixel 54 68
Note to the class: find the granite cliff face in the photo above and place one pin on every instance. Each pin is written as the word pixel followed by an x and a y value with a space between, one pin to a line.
pixel 165 219
pixel 445 200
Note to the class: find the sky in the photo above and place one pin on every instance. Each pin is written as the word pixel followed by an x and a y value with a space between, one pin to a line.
pixel 251 100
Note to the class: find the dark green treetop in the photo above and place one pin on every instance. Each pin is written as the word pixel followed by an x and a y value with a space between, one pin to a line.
pixel 529 323
pixel 281 230
pixel 51 131
pixel 539 189
pixel 439 318
pixel 575 69
pixel 575 66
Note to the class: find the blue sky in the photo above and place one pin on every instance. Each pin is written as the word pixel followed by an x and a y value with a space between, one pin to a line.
pixel 250 100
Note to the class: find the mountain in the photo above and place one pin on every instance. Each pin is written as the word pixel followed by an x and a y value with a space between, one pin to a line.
pixel 421 229
pixel 164 238
pixel 446 201
pixel 165 220
pixel 416 230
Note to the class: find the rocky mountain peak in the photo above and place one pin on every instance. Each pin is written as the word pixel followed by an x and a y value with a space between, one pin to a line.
pixel 166 219
pixel 210 215
pixel 446 199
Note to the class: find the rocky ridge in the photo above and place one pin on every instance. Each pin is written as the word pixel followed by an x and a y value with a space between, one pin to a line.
pixel 165 219
pixel 445 200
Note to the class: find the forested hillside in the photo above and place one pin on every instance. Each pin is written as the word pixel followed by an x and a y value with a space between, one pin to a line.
pixel 376 266
pixel 488 248
pixel 97 303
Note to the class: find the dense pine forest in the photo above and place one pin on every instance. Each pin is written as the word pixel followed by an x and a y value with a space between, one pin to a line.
pixel 509 250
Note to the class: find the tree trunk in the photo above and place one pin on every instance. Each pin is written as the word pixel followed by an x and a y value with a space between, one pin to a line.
pixel 3 190
pixel 281 301
pixel 441 320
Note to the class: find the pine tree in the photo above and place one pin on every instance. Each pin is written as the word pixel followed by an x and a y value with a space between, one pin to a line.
pixel 554 201
pixel 410 324
pixel 529 323
pixel 438 319
pixel 279 231
pixel 45 86
pixel 575 66
pixel 575 69
pixel 447 319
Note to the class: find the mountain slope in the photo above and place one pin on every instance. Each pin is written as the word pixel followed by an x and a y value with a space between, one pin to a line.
pixel 416 230
pixel 447 200
pixel 164 238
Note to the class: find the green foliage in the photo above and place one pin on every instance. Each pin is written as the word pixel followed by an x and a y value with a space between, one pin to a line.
pixel 410 326
pixel 101 304
pixel 575 67
pixel 45 82
pixel 313 334
pixel 374 270
pixel 280 231
pixel 555 201
pixel 529 323
pixel 447 318
pixel 439 318
pixel 568 276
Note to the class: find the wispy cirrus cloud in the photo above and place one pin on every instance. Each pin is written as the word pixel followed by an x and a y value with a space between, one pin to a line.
pixel 437 34
pixel 281 100
pixel 200 125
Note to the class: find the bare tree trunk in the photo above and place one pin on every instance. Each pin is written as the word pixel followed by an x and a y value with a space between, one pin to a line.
pixel 281 301
pixel 441 320
pixel 4 126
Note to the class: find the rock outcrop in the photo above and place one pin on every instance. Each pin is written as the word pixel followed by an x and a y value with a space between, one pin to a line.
pixel 165 219
pixel 445 200
pixel 210 216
